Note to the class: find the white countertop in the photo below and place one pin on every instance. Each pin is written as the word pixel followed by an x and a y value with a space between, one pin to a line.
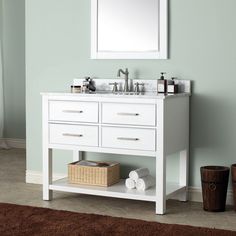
pixel 150 95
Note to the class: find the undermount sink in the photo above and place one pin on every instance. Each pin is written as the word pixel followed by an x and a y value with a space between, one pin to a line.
pixel 101 92
pixel 117 93
pixel 129 93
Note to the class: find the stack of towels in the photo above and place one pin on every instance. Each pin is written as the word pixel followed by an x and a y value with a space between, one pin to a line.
pixel 140 179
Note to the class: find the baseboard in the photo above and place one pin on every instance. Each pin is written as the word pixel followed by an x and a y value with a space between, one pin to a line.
pixel 36 177
pixel 195 193
pixel 15 143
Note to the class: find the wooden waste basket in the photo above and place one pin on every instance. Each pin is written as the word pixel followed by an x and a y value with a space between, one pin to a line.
pixel 233 173
pixel 214 187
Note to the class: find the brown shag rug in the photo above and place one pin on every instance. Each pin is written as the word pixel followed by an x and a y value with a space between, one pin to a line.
pixel 24 220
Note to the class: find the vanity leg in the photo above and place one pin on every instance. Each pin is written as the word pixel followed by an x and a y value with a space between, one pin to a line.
pixel 160 184
pixel 183 174
pixel 47 174
pixel 77 155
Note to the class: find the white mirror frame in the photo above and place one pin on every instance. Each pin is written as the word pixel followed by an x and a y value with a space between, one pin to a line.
pixel 163 37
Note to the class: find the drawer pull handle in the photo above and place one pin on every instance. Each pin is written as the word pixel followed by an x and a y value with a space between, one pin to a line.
pixel 71 111
pixel 128 139
pixel 73 135
pixel 127 114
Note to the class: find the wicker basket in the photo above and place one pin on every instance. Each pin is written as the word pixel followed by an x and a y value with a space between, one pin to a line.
pixel 99 176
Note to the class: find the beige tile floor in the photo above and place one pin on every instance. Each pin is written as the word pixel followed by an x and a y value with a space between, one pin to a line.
pixel 14 190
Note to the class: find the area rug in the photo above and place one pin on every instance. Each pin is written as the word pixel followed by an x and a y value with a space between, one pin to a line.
pixel 29 221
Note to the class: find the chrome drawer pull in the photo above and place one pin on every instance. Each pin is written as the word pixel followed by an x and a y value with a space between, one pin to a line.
pixel 71 111
pixel 73 135
pixel 128 139
pixel 127 114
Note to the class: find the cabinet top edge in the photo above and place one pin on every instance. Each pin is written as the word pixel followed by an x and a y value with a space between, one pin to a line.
pixel 149 95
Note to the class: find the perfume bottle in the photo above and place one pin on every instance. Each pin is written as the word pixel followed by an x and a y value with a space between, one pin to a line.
pixel 162 84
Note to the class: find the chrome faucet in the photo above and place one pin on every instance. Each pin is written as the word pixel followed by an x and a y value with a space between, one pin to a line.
pixel 126 73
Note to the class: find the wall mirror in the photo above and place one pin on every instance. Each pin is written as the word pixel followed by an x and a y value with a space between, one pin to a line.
pixel 129 29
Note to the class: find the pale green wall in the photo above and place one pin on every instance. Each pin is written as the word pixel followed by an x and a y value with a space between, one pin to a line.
pixel 1 19
pixel 14 67
pixel 202 49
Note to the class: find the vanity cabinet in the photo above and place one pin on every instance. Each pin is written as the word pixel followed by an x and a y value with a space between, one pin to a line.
pixel 154 126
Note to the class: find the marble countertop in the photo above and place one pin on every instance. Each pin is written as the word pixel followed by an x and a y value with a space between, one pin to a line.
pixel 150 95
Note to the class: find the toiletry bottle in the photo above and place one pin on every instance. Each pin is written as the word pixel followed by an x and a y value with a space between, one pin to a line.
pixel 162 84
pixel 88 85
pixel 172 87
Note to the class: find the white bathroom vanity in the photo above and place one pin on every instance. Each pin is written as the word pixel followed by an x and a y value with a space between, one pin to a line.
pixel 150 124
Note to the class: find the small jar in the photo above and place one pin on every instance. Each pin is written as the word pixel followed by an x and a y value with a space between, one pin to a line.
pixel 76 89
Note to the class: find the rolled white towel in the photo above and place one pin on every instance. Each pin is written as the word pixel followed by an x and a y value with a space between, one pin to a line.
pixel 145 182
pixel 139 173
pixel 130 184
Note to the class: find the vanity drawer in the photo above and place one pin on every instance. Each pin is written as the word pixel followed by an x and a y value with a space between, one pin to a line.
pixel 130 114
pixel 81 135
pixel 73 111
pixel 129 138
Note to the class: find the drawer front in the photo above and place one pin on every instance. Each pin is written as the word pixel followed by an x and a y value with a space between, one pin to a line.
pixel 130 114
pixel 73 111
pixel 128 138
pixel 81 135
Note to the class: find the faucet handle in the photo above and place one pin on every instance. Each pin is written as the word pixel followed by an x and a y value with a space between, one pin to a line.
pixel 143 88
pixel 115 88
pixel 136 88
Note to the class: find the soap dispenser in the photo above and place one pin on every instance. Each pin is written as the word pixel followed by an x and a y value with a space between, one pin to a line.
pixel 172 87
pixel 162 84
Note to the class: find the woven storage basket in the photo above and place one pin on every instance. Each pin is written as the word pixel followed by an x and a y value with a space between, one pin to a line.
pixel 99 176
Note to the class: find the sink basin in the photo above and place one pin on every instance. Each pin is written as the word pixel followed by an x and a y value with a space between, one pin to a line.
pixel 101 92
pixel 117 93
pixel 129 93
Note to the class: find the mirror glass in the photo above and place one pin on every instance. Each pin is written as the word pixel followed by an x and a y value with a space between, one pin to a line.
pixel 129 29
pixel 128 25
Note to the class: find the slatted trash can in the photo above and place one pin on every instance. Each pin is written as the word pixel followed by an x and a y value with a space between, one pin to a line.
pixel 233 173
pixel 214 187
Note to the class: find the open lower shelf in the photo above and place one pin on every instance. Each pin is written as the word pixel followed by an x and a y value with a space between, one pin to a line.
pixel 117 190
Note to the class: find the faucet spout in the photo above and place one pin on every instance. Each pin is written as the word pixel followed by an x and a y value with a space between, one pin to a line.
pixel 126 73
